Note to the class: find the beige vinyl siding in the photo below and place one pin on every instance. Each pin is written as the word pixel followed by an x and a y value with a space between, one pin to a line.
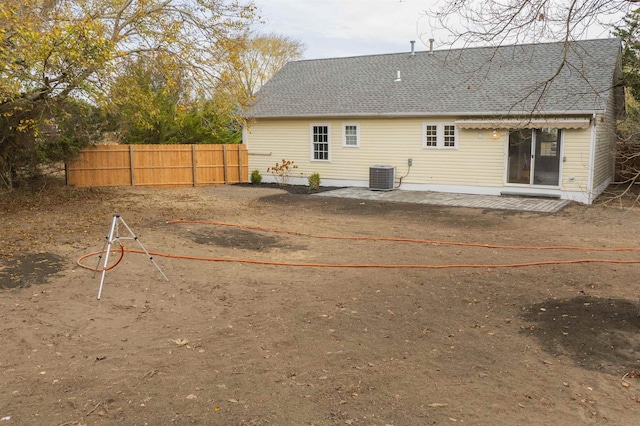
pixel 478 160
pixel 605 148
pixel 577 145
pixel 271 141
pixel 606 137
pixel 575 168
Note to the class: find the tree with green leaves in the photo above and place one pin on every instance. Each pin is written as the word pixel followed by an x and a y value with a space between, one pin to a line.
pixel 60 56
pixel 145 101
pixel 149 107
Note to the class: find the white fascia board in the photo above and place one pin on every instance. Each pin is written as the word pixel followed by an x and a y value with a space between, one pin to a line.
pixel 434 114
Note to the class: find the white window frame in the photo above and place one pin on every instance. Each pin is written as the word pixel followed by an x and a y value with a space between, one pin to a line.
pixel 344 135
pixel 424 136
pixel 440 135
pixel 312 143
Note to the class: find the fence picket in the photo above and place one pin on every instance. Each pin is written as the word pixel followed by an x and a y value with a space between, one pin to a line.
pixel 156 165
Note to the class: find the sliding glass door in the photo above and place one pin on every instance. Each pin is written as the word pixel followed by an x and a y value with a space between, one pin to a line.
pixel 534 157
pixel 519 164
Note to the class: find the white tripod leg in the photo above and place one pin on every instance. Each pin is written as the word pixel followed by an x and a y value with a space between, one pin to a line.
pixel 106 256
pixel 144 249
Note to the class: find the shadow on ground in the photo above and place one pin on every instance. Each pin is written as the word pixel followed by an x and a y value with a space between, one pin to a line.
pixel 598 334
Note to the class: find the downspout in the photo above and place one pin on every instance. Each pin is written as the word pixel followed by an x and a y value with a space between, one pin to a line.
pixel 592 160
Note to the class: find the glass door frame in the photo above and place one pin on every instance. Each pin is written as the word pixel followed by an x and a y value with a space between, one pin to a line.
pixel 534 151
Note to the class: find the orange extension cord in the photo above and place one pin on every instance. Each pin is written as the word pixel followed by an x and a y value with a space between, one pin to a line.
pixel 385 266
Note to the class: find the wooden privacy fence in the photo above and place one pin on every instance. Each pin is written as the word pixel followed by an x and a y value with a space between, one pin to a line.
pixel 158 165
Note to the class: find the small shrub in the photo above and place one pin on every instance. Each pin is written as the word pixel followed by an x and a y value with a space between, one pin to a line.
pixel 282 172
pixel 314 181
pixel 256 177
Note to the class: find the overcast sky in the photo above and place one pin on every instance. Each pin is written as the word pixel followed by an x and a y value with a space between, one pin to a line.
pixel 337 28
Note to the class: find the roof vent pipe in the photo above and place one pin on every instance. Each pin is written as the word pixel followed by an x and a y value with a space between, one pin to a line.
pixel 431 46
pixel 398 78
pixel 413 47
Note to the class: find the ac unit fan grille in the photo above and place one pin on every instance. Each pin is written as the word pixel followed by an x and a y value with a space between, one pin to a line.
pixel 381 178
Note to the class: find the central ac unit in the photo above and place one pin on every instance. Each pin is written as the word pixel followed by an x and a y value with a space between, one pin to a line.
pixel 381 178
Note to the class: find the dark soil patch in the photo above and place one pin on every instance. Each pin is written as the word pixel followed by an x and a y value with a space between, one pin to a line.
pixel 235 238
pixel 598 334
pixel 238 238
pixel 25 269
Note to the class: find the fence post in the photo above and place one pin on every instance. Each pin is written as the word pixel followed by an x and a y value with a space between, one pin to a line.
pixel 240 163
pixel 194 162
pixel 224 162
pixel 133 179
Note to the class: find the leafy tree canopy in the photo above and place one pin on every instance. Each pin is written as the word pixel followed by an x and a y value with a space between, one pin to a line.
pixel 58 57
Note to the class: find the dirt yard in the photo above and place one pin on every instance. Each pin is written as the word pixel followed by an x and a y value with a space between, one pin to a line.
pixel 230 343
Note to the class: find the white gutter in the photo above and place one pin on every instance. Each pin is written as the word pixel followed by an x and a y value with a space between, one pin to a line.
pixel 432 114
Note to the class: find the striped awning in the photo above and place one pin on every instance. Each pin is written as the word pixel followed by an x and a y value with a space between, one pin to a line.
pixel 525 123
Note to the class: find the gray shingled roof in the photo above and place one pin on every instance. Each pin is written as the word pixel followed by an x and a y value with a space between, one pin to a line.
pixel 471 81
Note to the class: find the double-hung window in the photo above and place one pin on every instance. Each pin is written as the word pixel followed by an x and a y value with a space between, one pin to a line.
pixel 439 135
pixel 350 135
pixel 430 134
pixel 320 141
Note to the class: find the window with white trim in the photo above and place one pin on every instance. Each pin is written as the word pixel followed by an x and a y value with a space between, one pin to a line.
pixel 351 135
pixel 439 135
pixel 430 135
pixel 320 141
pixel 449 135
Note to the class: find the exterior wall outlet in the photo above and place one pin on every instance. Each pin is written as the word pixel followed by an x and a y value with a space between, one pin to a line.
pixel 410 162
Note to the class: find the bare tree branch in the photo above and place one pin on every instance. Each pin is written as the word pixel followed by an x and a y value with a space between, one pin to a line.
pixel 473 22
